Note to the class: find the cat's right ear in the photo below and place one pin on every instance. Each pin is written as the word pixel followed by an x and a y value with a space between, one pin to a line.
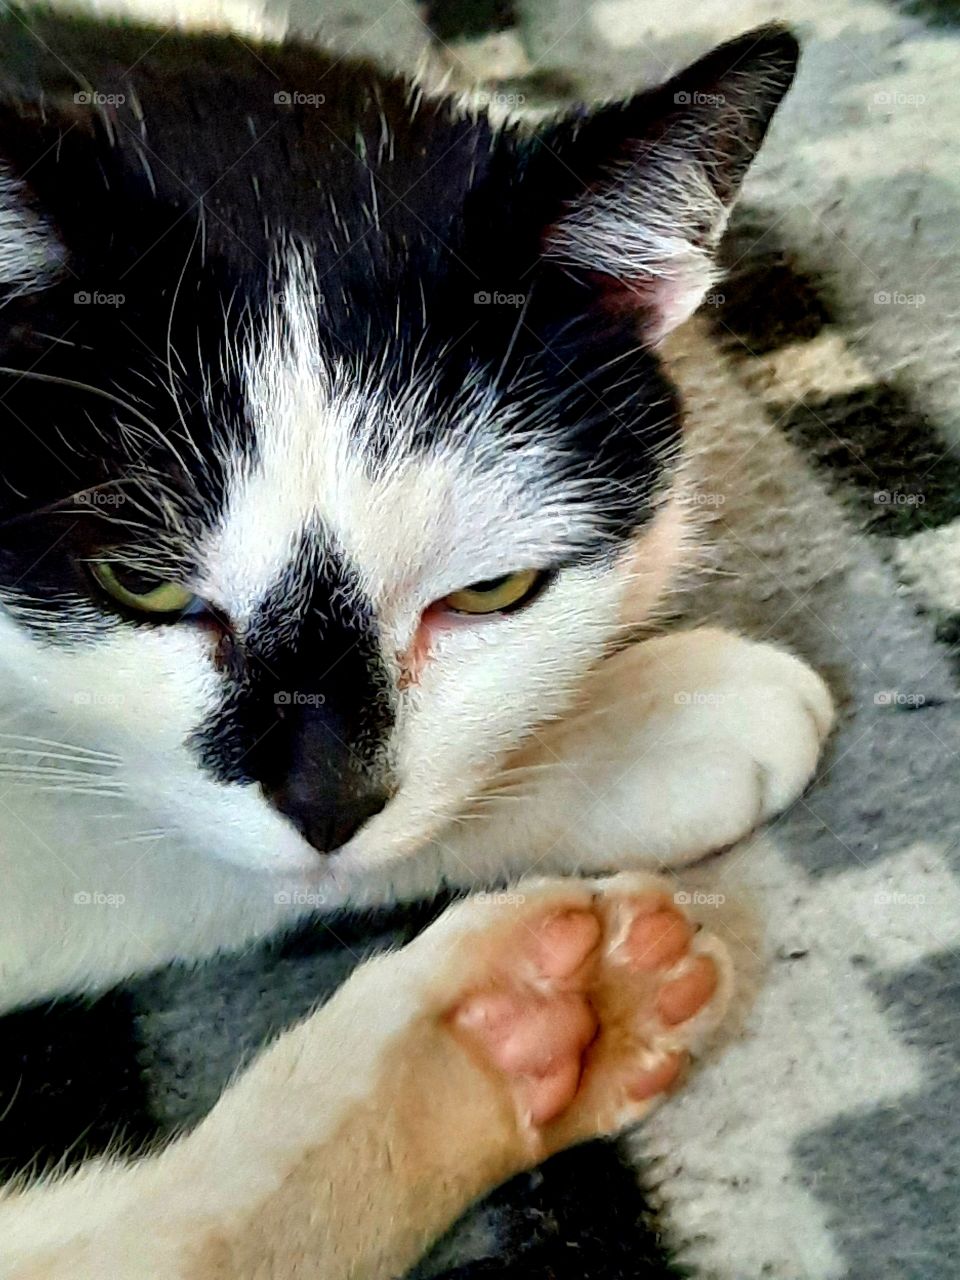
pixel 643 188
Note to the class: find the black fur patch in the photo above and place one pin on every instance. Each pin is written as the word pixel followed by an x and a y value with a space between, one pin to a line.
pixel 577 1216
pixel 70 1086
pixel 308 708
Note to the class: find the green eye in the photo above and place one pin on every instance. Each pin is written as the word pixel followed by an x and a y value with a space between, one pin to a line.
pixel 496 595
pixel 164 599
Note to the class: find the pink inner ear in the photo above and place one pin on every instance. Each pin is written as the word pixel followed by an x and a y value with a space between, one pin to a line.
pixel 623 297
pixel 660 304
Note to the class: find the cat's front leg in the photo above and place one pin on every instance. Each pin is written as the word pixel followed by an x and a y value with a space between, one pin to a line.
pixel 679 746
pixel 517 1024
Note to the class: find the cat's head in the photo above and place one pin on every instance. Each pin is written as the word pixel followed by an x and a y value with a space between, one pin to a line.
pixel 335 441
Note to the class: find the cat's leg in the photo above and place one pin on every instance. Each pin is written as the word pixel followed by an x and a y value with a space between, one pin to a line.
pixel 512 1027
pixel 680 745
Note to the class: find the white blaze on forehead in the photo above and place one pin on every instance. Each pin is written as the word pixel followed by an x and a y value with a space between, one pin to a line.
pixel 333 455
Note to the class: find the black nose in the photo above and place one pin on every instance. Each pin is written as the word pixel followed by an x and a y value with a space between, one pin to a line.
pixel 327 824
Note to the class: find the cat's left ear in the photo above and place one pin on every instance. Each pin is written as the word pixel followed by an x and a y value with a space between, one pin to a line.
pixel 648 184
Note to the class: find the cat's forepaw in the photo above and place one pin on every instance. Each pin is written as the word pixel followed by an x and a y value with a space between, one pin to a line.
pixel 586 1000
pixel 751 724
pixel 687 743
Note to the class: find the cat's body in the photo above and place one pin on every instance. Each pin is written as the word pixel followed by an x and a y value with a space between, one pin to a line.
pixel 341 463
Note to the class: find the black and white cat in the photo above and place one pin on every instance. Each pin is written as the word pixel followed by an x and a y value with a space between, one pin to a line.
pixel 338 466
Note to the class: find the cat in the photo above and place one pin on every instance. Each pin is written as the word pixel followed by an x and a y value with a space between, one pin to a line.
pixel 341 473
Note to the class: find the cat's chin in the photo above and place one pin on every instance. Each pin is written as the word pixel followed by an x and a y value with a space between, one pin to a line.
pixel 392 836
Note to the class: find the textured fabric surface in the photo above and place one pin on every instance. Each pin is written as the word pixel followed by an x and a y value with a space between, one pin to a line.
pixel 823 393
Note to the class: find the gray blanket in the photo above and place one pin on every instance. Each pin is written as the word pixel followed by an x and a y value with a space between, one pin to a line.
pixel 822 1140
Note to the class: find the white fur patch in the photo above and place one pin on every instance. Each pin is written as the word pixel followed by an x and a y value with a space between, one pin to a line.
pixel 29 254
pixel 413 525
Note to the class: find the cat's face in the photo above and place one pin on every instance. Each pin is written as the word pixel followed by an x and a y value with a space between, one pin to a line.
pixel 332 447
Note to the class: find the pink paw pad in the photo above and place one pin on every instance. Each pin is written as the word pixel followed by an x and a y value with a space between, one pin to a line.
pixel 565 1013
pixel 657 940
pixel 562 942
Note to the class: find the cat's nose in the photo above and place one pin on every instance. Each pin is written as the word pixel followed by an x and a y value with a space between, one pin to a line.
pixel 329 833
pixel 327 826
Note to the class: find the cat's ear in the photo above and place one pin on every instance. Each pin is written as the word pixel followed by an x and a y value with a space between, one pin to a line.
pixel 648 184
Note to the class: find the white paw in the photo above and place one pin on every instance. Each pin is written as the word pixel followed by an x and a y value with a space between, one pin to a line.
pixel 686 743
pixel 734 733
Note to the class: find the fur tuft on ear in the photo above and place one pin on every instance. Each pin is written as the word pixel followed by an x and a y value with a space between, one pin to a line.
pixel 659 173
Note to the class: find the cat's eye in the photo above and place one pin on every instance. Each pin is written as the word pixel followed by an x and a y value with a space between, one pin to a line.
pixel 144 595
pixel 497 595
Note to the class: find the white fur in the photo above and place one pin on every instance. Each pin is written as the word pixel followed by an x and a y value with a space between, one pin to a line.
pixel 29 255
pixel 652 225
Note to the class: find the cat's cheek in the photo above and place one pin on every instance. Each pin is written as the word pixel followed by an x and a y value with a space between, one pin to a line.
pixel 437 624
pixel 652 561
